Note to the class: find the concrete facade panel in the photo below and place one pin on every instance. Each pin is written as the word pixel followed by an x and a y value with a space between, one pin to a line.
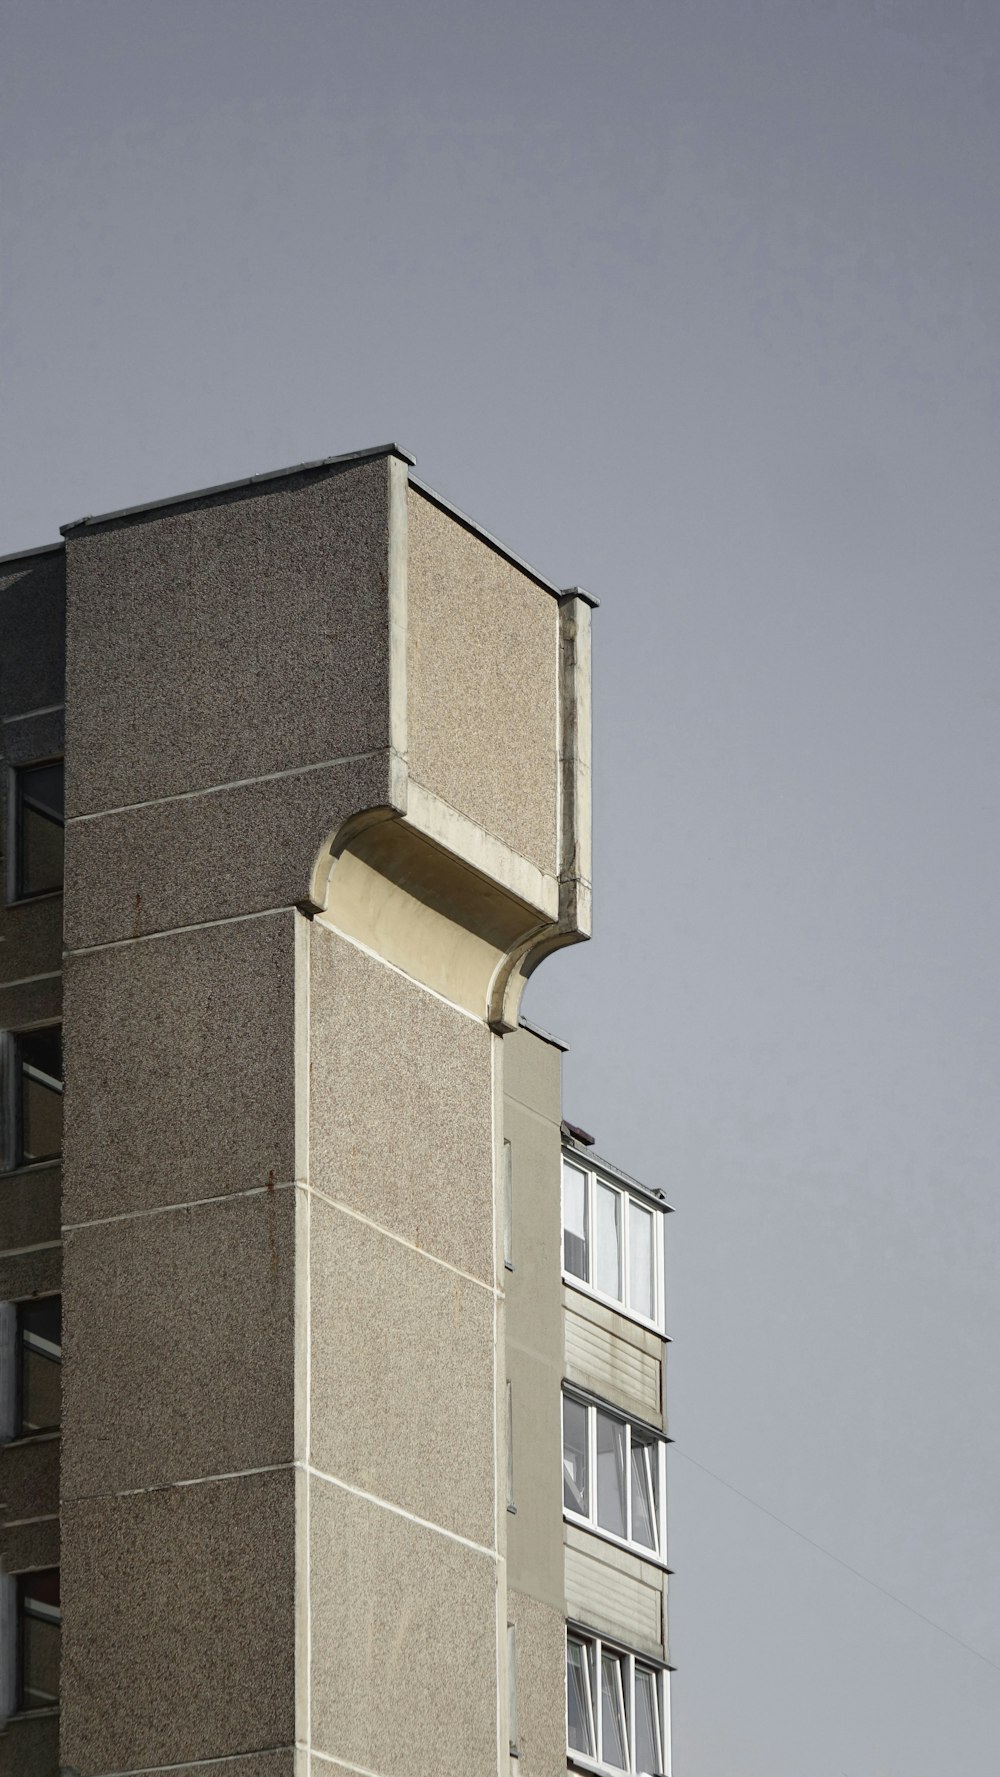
pixel 238 636
pixel 540 1662
pixel 30 1206
pixel 534 1315
pixel 130 874
pixel 194 1657
pixel 29 1746
pixel 31 937
pixel 401 1105
pixel 280 1762
pixel 30 1274
pixel 32 738
pixel 32 623
pixel 213 1285
pixel 179 1074
pixel 532 1073
pixel 29 1479
pixel 27 1546
pixel 403 1643
pixel 392 1389
pixel 31 1002
pixel 482 667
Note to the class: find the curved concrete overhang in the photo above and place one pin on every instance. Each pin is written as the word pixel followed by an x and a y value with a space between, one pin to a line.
pixel 430 889
pixel 438 898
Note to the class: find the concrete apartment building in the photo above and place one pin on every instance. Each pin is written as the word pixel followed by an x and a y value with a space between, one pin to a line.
pixel 332 1402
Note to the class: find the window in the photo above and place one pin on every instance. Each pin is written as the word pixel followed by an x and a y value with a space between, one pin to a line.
pixel 39 1620
pixel 31 1084
pixel 614 1708
pixel 614 1476
pixel 36 837
pixel 30 1366
pixel 612 1241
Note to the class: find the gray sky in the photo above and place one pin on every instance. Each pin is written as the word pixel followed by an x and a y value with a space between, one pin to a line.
pixel 694 303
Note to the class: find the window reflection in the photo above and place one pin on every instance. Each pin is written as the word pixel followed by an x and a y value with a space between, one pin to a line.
pixel 40 1620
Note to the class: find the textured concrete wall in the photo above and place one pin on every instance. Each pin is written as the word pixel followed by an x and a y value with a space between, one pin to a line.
pixel 531 1117
pixel 283 1412
pixel 404 1642
pixel 540 1642
pixel 404 1574
pixel 227 708
pixel 399 1131
pixel 179 1636
pixel 229 640
pixel 179 1078
pixel 482 664
pixel 534 1335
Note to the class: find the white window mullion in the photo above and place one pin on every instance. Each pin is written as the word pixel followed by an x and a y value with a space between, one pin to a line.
pixel 626 1289
pixel 592 1463
pixel 591 1226
pixel 628 1482
pixel 598 1682
pixel 661 1500
pixel 631 1712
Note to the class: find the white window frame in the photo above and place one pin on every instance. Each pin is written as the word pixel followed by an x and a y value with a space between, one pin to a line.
pixel 596 1646
pixel 594 1176
pixel 657 1556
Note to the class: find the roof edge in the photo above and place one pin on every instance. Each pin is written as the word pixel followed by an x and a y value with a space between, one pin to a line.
pixel 28 554
pixel 231 487
pixel 469 524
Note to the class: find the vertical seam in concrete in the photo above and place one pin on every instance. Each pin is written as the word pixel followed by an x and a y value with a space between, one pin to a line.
pixel 496 1134
pixel 398 575
pixel 303 1333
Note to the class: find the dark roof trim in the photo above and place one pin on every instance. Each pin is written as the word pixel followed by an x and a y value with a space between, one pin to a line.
pixel 232 487
pixel 27 554
pixel 469 524
pixel 544 1035
pixel 573 1132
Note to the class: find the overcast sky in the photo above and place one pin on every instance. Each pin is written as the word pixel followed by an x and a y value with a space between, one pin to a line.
pixel 694 303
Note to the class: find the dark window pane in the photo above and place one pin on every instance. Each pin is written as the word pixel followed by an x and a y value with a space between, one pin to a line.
pixel 39 1325
pixel 576 1492
pixel 647 1724
pixel 41 1093
pixel 644 1486
pixel 614 1734
pixel 40 1632
pixel 608 1242
pixel 574 1221
pixel 40 829
pixel 611 1474
pixel 578 1699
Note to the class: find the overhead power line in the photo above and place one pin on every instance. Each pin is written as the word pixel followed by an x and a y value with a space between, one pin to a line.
pixel 856 1571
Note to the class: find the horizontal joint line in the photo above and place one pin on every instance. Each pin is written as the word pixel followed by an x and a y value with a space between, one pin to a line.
pixel 190 1763
pixel 162 1209
pixel 236 783
pixel 198 925
pixel 401 1239
pixel 386 1505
